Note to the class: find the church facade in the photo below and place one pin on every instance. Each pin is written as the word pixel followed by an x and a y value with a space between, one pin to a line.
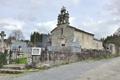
pixel 65 35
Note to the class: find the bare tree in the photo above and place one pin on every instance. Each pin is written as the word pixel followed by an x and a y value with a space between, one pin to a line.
pixel 17 35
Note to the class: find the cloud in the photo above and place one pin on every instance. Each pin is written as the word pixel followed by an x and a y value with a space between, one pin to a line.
pixel 113 22
pixel 75 1
pixel 36 15
pixel 114 7
pixel 72 20
pixel 46 27
pixel 101 28
pixel 11 24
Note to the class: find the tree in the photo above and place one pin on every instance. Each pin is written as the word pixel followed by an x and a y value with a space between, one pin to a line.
pixel 17 35
pixel 36 37
pixel 112 39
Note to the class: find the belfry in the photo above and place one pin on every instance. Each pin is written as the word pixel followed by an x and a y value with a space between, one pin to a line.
pixel 63 17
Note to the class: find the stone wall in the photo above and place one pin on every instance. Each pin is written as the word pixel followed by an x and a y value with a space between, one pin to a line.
pixel 66 56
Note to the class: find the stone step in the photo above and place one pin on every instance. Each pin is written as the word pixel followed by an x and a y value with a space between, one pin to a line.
pixel 11 71
pixel 14 66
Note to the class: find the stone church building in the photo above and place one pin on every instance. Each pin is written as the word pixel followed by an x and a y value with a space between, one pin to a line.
pixel 65 35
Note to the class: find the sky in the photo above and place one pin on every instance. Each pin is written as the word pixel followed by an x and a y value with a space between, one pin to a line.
pixel 96 16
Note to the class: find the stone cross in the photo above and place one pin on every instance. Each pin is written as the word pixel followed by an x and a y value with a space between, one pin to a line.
pixel 2 34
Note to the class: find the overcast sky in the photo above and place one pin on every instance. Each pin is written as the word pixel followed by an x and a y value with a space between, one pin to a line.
pixel 94 16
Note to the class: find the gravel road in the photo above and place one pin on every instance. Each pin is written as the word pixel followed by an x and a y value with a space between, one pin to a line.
pixel 74 71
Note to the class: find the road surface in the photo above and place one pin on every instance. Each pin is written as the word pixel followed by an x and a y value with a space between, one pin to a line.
pixel 75 71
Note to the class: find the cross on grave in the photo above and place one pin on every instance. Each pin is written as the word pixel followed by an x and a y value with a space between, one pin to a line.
pixel 2 34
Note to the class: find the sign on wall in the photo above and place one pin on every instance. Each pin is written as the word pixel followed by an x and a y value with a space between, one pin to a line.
pixel 36 51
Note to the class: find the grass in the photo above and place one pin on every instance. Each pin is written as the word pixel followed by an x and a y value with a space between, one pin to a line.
pixel 21 61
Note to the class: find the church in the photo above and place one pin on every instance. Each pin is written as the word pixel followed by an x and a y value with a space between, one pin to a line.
pixel 65 35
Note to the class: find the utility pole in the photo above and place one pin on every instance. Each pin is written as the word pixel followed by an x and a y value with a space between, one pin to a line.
pixel 2 34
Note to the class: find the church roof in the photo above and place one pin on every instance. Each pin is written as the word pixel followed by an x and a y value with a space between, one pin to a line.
pixel 76 29
pixel 81 30
pixel 97 40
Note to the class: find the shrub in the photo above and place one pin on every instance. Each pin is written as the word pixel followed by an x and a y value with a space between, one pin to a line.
pixel 3 59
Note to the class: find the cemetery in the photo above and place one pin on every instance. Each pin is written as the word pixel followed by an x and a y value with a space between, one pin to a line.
pixel 65 44
pixel 17 57
pixel 59 39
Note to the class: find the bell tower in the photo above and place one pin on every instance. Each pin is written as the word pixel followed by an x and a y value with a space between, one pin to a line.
pixel 63 17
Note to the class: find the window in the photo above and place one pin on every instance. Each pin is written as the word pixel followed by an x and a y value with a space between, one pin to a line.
pixel 63 45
